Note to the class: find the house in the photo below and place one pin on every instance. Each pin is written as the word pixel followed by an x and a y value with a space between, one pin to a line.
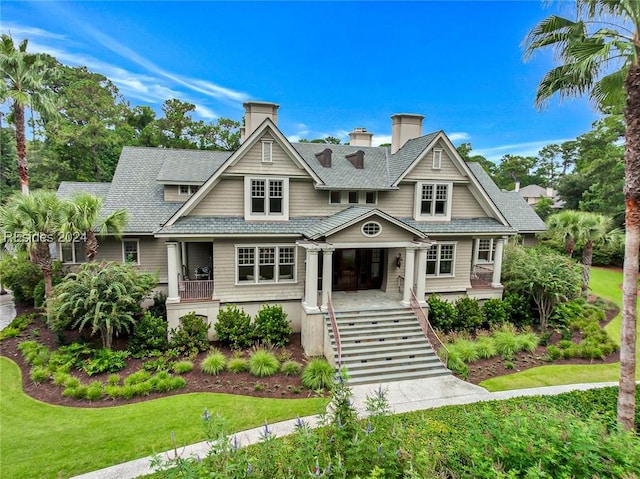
pixel 532 194
pixel 301 223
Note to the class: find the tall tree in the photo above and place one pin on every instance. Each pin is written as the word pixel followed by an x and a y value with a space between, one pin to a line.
pixel 597 53
pixel 82 215
pixel 24 77
pixel 33 222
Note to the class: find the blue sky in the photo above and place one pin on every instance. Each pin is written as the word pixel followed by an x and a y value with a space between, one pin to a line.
pixel 332 66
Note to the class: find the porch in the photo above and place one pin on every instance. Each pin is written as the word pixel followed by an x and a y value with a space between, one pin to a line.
pixel 190 271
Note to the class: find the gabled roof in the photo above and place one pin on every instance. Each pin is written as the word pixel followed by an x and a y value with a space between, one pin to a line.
pixel 189 166
pixel 345 218
pixel 403 159
pixel 69 188
pixel 533 191
pixel 134 187
pixel 513 207
pixel 212 226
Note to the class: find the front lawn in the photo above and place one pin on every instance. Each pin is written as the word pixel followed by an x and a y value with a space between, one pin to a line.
pixel 41 440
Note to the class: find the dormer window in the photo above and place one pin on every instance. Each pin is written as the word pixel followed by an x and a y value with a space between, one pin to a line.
pixel 267 151
pixel 266 198
pixel 187 189
pixel 433 201
pixel 437 159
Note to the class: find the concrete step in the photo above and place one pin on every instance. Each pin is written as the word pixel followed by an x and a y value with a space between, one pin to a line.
pixel 381 378
pixel 414 346
pixel 404 364
pixel 371 332
pixel 384 355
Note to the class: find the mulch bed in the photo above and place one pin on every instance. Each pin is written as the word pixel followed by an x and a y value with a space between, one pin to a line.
pixel 278 386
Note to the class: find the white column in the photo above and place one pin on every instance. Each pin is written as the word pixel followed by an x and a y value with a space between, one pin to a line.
pixel 497 263
pixel 421 274
pixel 183 260
pixel 409 272
pixel 172 273
pixel 311 282
pixel 327 275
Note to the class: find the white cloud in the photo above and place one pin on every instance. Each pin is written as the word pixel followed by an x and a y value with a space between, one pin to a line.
pixel 458 135
pixel 530 148
pixel 378 140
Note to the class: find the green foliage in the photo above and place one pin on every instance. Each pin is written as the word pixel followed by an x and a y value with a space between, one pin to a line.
pixel 102 296
pixel 527 342
pixel 105 360
pixel 234 327
pixel 465 350
pixel 494 313
pixel 39 374
pixel 318 374
pixel 506 343
pixel 17 325
pixel 263 363
pixel 20 276
pixel 442 314
pixel 468 314
pixel 182 367
pixel 272 325
pixel 291 368
pixel 159 306
pixel 191 336
pixel 214 363
pixel 149 334
pixel 238 365
pixel 518 307
pixel 34 353
pixel 486 347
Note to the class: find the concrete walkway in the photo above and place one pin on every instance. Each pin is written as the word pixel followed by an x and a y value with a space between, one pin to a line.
pixel 403 396
pixel 7 310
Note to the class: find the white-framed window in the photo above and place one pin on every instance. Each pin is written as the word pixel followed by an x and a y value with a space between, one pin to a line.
pixel 441 260
pixel 437 159
pixel 265 264
pixel 73 252
pixel 371 229
pixel 485 250
pixel 266 198
pixel 267 151
pixel 131 251
pixel 433 201
pixel 335 197
pixel 187 189
pixel 353 197
pixel 371 197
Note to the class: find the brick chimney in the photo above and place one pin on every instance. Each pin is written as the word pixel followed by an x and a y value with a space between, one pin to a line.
pixel 360 137
pixel 404 127
pixel 255 113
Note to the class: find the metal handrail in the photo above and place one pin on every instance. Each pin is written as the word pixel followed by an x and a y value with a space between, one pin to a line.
pixel 334 328
pixel 427 329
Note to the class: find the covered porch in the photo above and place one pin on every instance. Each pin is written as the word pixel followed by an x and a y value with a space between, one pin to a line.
pixel 190 271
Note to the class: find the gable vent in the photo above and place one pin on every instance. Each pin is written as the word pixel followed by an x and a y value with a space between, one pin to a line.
pixel 324 157
pixel 357 159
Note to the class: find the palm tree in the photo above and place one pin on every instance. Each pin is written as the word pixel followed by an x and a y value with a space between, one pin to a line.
pixel 583 229
pixel 597 53
pixel 33 222
pixel 82 218
pixel 24 76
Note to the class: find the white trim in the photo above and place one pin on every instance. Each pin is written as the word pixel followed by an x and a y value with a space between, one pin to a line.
pixel 437 159
pixel 267 151
pixel 255 280
pixel 131 240
pixel 417 213
pixel 191 189
pixel 368 235
pixel 375 197
pixel 74 259
pixel 437 248
pixel 339 193
pixel 249 215
pixel 492 251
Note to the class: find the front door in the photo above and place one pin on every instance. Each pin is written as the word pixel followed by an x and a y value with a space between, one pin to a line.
pixel 356 269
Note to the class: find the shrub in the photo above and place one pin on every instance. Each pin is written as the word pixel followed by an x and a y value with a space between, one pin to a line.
pixel 60 378
pixel 291 368
pixel 9 332
pixel 113 379
pixel 159 306
pixel 486 348
pixel 494 313
pixel 105 360
pixel 318 374
pixel 234 327
pixel 457 365
pixel 143 389
pixel 468 314
pixel 506 343
pixel 466 350
pixel 263 363
pixel 214 363
pixel 19 324
pixel 527 342
pixel 518 308
pixel 442 314
pixel 554 352
pixel 191 336
pixel 94 391
pixel 34 353
pixel 238 365
pixel 149 334
pixel 137 377
pixel 182 367
pixel 21 276
pixel 272 325
pixel 39 374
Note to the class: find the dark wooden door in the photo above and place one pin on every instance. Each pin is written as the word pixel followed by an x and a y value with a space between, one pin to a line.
pixel 355 269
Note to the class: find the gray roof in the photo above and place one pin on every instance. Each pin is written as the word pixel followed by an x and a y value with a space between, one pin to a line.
pixel 69 188
pixel 232 225
pixel 134 187
pixel 513 207
pixel 459 226
pixel 189 166
pixel 534 191
pixel 405 156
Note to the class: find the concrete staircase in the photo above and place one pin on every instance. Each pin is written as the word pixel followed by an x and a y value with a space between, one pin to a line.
pixel 383 345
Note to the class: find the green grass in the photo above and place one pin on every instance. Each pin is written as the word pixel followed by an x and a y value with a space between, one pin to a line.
pixel 41 440
pixel 606 284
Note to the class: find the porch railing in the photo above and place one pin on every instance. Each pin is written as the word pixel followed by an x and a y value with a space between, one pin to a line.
pixel 428 330
pixel 336 331
pixel 199 290
pixel 481 277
